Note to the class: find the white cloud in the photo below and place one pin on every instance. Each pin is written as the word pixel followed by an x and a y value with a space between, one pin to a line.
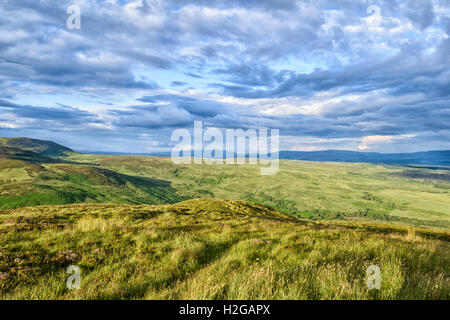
pixel 369 141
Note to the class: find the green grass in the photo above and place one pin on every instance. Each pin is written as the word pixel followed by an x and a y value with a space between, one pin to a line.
pixel 40 147
pixel 318 191
pixel 213 249
pixel 27 184
pixel 344 191
pixel 308 232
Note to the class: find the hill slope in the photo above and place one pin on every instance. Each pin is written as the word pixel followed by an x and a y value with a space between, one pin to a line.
pixel 414 195
pixel 27 184
pixel 212 249
pixel 42 147
pixel 437 158
pixel 343 191
pixel 433 158
pixel 37 172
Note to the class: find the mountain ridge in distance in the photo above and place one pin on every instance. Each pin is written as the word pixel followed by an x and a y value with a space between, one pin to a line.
pixel 433 158
pixel 42 147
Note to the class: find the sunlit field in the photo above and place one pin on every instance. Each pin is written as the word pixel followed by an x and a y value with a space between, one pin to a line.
pixel 213 249
pixel 141 227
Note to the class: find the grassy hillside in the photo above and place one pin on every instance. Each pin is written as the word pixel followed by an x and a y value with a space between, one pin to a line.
pixel 309 232
pixel 213 249
pixel 331 191
pixel 8 153
pixel 319 191
pixel 37 172
pixel 42 147
pixel 27 184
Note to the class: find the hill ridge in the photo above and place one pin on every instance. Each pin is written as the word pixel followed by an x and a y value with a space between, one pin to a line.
pixel 432 157
pixel 42 147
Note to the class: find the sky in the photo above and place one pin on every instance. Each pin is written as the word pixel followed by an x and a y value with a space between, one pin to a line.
pixel 329 74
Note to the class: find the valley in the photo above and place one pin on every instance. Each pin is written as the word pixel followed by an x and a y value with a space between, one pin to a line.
pixel 141 227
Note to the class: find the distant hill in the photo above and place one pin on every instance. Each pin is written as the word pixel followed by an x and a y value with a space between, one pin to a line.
pixel 25 155
pixel 441 158
pixel 435 158
pixel 42 147
pixel 37 172
pixel 30 183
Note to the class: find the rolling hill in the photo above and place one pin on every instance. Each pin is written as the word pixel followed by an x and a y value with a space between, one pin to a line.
pixel 414 195
pixel 432 158
pixel 436 158
pixel 41 174
pixel 42 147
pixel 314 190
pixel 310 232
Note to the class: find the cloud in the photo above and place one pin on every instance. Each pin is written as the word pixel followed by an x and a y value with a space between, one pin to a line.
pixel 152 118
pixel 178 83
pixel 369 141
pixel 420 12
pixel 315 69
pixel 308 149
pixel 63 114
